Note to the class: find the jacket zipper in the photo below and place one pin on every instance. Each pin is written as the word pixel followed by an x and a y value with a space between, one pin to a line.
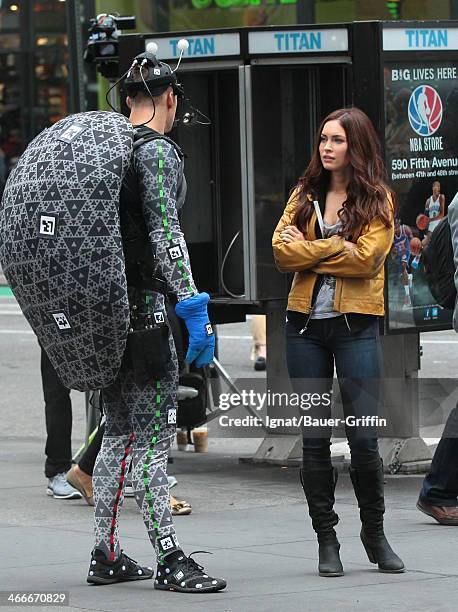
pixel 337 306
pixel 306 323
pixel 312 306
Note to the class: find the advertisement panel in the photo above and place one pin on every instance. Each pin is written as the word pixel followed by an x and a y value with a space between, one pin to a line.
pixel 421 139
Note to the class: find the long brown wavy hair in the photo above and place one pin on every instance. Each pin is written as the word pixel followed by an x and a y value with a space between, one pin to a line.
pixel 367 190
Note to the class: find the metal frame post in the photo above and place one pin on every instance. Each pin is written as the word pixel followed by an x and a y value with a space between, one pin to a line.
pixel 74 15
pixel 306 11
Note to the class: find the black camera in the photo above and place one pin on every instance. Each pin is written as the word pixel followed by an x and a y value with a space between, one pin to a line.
pixel 102 45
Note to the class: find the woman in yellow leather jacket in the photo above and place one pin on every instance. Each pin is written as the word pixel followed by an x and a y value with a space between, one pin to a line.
pixel 335 234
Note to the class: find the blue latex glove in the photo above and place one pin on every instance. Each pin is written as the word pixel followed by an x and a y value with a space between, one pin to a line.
pixel 201 338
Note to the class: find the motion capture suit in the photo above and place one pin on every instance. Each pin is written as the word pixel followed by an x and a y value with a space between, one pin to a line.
pixel 91 278
pixel 141 419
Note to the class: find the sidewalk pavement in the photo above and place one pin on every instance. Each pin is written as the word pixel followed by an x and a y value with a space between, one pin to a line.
pixel 254 521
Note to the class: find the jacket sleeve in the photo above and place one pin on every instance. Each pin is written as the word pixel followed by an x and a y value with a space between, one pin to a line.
pixel 367 259
pixel 158 170
pixel 452 213
pixel 302 254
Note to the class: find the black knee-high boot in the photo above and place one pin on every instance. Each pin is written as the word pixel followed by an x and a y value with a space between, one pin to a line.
pixel 368 485
pixel 319 486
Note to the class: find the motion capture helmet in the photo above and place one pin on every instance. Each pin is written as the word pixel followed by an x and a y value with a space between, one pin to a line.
pixel 150 76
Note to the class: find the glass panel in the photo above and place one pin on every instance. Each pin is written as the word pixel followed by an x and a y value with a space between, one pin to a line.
pixel 202 14
pixel 51 87
pixel 212 216
pixel 12 136
pixel 10 41
pixel 335 11
pixel 281 139
pixel 10 15
pixel 198 213
pixel 48 16
pixel 288 103
pixel 51 39
pixel 145 12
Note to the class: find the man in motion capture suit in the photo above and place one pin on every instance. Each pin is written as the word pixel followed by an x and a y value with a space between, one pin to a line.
pixel 91 246
pixel 141 418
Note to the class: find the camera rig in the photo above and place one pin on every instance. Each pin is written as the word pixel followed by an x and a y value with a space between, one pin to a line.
pixel 102 45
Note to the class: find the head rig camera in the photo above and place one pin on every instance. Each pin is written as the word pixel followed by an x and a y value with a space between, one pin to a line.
pixel 148 75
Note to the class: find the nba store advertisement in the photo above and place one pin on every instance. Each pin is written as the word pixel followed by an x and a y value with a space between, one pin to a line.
pixel 421 140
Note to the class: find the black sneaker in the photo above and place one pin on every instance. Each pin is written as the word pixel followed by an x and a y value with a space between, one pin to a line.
pixel 187 576
pixel 103 571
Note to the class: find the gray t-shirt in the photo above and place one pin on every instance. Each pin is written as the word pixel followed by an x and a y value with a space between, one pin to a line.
pixel 325 298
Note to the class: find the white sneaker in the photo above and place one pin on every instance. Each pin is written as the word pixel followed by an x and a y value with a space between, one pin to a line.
pixel 172 481
pixel 59 488
pixel 129 489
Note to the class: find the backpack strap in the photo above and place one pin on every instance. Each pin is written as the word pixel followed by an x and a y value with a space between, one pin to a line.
pixel 146 135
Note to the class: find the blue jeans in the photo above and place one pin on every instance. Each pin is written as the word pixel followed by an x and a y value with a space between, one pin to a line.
pixel 357 357
pixel 440 486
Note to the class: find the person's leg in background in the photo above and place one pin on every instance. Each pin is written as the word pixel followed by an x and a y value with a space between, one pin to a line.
pixel 87 461
pixel 258 350
pixel 58 450
pixel 310 362
pixel 359 352
pixel 80 475
pixel 439 493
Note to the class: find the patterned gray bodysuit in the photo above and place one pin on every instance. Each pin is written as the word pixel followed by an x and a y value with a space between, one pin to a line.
pixel 141 419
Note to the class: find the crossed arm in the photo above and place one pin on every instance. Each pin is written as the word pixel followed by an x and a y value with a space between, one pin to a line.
pixel 334 255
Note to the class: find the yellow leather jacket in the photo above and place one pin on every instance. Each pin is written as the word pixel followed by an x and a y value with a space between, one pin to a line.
pixel 360 275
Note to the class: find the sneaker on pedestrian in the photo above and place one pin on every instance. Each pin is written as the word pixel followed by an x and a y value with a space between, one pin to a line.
pixel 129 489
pixel 123 569
pixel 185 575
pixel 59 488
pixel 172 481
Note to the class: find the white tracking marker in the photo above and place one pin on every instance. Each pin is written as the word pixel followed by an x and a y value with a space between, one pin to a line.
pixel 151 47
pixel 182 46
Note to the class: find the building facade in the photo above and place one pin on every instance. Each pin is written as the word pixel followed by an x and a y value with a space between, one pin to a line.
pixel 37 87
pixel 42 42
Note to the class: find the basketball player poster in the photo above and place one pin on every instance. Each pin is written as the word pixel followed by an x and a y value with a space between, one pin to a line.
pixel 421 150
